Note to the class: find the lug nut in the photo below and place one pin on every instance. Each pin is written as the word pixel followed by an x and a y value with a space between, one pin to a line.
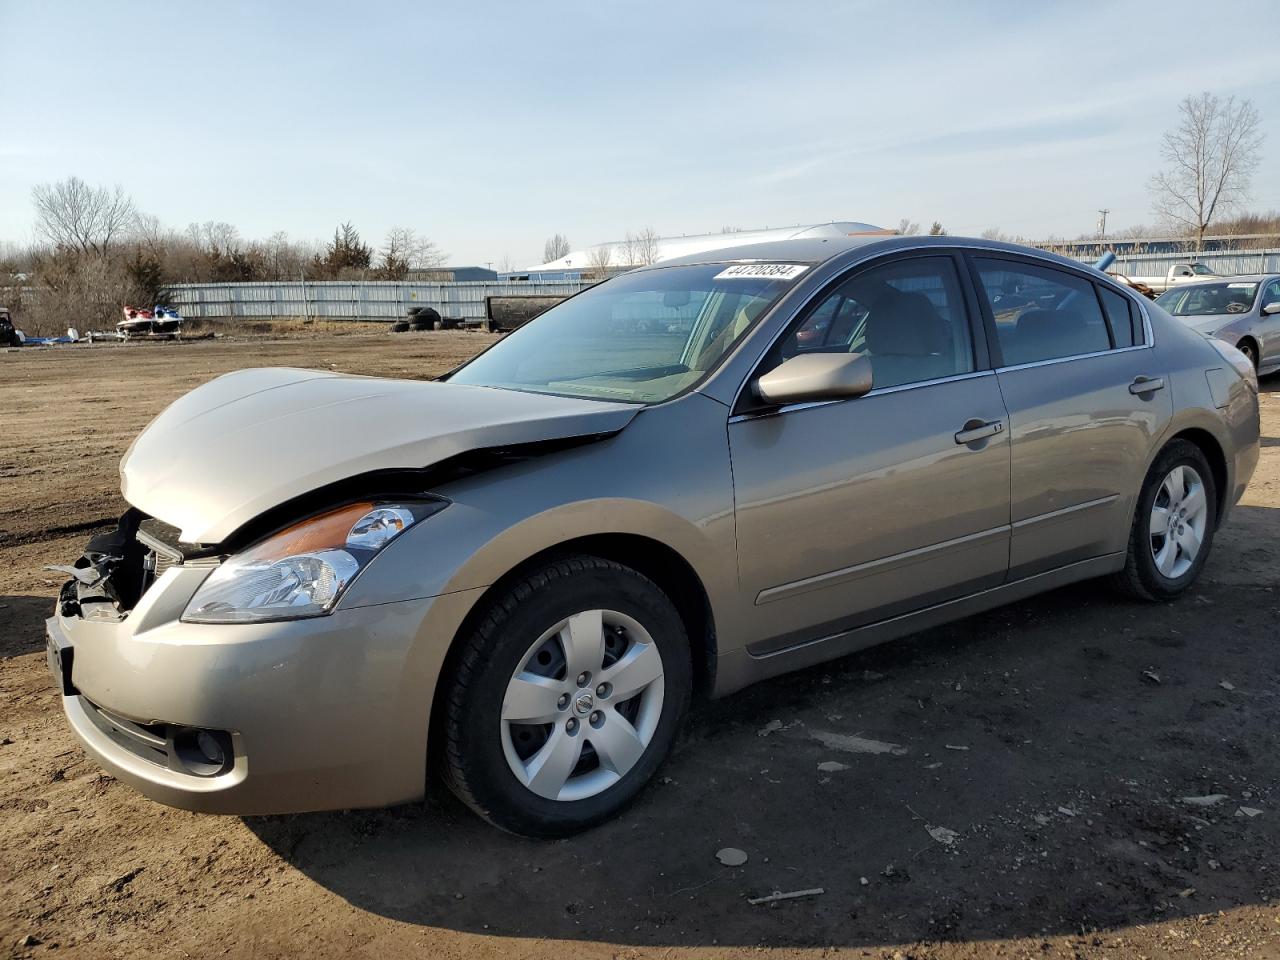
pixel 584 679
pixel 563 701
pixel 604 690
pixel 571 725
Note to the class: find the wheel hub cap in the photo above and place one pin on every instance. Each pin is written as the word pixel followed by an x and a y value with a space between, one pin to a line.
pixel 1179 519
pixel 583 705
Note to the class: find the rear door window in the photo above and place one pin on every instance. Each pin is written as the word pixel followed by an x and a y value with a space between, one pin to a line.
pixel 1041 313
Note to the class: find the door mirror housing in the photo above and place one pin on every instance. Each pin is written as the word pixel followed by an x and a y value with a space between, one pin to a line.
pixel 816 376
pixel 1269 309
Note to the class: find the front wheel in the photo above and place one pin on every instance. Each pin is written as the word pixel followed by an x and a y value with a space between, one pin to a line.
pixel 565 698
pixel 1247 348
pixel 1173 525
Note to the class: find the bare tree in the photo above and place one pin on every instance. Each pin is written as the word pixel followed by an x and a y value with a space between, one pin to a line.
pixel 601 258
pixel 906 228
pixel 644 247
pixel 628 250
pixel 993 233
pixel 506 264
pixel 73 215
pixel 1212 154
pixel 937 230
pixel 216 238
pixel 404 250
pixel 555 248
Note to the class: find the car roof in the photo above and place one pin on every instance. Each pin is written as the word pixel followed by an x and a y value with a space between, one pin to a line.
pixel 819 250
pixel 805 250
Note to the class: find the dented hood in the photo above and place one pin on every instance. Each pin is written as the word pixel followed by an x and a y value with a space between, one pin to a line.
pixel 251 440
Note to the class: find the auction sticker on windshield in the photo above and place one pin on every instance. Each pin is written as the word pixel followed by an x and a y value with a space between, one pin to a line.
pixel 761 271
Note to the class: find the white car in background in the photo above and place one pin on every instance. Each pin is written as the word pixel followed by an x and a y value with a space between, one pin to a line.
pixel 1243 311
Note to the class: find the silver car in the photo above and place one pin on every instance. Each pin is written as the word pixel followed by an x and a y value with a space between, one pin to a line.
pixel 1244 311
pixel 684 480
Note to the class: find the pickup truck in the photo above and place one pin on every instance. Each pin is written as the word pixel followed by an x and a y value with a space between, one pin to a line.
pixel 1178 273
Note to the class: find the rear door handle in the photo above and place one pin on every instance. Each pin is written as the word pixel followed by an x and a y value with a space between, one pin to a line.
pixel 975 430
pixel 1146 385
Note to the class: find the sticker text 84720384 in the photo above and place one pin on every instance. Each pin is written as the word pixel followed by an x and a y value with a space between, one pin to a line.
pixel 761 271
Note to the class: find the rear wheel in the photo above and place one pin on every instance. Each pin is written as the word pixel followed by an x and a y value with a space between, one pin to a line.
pixel 1173 525
pixel 566 698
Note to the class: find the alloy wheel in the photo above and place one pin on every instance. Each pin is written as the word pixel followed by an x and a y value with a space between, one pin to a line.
pixel 583 705
pixel 1179 517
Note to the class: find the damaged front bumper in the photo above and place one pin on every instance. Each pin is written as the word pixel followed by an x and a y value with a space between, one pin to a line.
pixel 252 718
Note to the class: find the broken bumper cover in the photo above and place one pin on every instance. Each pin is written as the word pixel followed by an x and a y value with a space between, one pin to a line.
pixel 325 713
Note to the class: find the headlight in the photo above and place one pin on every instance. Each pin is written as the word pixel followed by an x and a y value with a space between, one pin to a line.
pixel 303 570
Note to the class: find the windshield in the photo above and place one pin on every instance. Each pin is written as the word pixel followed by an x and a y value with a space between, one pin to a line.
pixel 1208 299
pixel 1200 270
pixel 639 338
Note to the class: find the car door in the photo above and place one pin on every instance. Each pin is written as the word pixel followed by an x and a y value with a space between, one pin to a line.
pixel 1086 402
pixel 1269 325
pixel 856 510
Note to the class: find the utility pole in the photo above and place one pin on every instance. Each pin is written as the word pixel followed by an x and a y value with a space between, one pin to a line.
pixel 1102 224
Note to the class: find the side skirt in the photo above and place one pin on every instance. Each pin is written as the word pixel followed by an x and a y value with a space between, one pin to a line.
pixel 739 668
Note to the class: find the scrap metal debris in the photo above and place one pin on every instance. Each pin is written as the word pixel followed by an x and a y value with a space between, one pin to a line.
pixel 947 838
pixel 773 726
pixel 832 766
pixel 731 856
pixel 852 743
pixel 791 895
pixel 1151 676
pixel 1227 685
pixel 1249 812
pixel 1208 800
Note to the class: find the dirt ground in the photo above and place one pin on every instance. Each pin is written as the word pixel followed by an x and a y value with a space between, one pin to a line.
pixel 1055 738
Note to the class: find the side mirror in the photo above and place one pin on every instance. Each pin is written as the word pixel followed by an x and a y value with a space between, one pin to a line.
pixel 1269 309
pixel 816 376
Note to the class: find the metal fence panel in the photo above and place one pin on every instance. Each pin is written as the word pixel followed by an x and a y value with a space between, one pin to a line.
pixel 363 300
pixel 1226 263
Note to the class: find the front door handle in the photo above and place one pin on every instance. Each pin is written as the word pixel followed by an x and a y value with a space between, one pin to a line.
pixel 1144 385
pixel 975 430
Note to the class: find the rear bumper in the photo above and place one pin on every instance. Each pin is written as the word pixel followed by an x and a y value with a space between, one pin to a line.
pixel 320 714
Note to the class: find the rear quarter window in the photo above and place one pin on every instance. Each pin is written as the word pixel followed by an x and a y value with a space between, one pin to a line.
pixel 1123 317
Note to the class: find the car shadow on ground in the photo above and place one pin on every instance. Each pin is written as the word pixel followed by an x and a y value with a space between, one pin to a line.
pixel 1041 754
pixel 22 624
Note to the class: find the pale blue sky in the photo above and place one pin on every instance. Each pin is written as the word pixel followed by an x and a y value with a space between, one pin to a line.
pixel 489 126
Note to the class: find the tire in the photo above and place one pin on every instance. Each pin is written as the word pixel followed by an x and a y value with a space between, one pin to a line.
pixel 400 326
pixel 429 316
pixel 438 325
pixel 417 323
pixel 1142 576
pixel 505 770
pixel 1249 350
pixel 414 311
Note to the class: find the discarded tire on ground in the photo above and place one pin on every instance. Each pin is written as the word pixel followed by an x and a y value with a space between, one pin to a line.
pixel 428 317
pixel 400 326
